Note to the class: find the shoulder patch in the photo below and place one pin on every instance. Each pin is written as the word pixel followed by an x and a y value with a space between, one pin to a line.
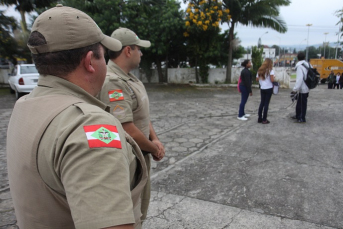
pixel 116 95
pixel 102 136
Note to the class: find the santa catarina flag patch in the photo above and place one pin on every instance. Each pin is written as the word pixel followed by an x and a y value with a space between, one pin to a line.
pixel 115 95
pixel 102 136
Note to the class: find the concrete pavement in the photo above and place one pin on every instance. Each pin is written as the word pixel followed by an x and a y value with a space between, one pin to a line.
pixel 220 172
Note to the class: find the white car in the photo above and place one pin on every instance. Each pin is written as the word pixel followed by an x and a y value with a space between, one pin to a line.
pixel 23 79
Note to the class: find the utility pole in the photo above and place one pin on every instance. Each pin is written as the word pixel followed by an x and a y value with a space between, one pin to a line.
pixel 308 33
pixel 325 44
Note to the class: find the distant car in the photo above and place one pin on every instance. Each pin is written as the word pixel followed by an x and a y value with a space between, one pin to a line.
pixel 23 79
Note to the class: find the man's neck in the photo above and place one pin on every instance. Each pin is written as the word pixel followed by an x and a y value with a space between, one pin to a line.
pixel 122 64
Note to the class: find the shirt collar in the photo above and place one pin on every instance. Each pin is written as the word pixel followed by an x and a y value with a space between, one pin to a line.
pixel 115 68
pixel 59 85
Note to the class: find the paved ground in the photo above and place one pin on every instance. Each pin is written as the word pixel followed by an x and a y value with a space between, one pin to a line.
pixel 220 172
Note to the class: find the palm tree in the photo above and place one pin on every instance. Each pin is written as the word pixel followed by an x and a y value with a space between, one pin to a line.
pixel 256 13
pixel 25 6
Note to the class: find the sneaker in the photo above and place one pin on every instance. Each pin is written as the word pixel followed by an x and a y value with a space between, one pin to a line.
pixel 300 121
pixel 242 118
pixel 247 115
pixel 265 122
pixel 294 117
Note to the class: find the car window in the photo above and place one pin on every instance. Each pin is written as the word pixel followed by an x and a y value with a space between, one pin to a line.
pixel 28 69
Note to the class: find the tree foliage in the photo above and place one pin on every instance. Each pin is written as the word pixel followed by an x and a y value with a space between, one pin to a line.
pixel 7 42
pixel 256 13
pixel 202 31
pixel 256 59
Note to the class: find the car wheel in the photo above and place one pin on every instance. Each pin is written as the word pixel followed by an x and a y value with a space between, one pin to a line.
pixel 18 94
pixel 11 90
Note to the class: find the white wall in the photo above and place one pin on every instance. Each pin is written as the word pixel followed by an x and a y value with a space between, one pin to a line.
pixel 216 75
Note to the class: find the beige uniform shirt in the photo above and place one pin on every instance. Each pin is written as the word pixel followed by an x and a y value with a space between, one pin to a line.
pixel 80 163
pixel 127 98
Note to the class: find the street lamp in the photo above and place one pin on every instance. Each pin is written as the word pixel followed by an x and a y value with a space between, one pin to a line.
pixel 325 43
pixel 278 63
pixel 308 32
pixel 259 39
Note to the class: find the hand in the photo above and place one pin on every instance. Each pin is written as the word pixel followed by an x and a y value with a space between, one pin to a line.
pixel 161 152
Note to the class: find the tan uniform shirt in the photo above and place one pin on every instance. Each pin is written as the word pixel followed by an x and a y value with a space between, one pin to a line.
pixel 79 161
pixel 128 100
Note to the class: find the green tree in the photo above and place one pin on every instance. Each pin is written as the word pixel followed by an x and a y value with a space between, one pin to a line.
pixel 202 29
pixel 257 13
pixel 339 14
pixel 8 46
pixel 25 6
pixel 256 59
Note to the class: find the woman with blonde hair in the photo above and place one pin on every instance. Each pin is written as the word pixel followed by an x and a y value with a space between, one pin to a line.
pixel 265 76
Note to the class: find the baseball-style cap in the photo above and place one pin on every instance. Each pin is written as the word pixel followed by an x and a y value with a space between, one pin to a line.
pixel 66 28
pixel 128 37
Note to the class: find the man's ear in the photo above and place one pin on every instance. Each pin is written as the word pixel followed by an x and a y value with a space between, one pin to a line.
pixel 127 50
pixel 87 62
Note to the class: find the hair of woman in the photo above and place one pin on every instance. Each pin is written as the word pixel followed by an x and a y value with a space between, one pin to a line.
pixel 266 67
pixel 244 63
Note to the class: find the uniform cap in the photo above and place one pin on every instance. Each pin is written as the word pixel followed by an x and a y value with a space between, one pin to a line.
pixel 66 28
pixel 128 37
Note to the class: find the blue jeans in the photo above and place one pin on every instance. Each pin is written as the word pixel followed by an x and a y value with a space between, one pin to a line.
pixel 300 109
pixel 244 99
pixel 266 95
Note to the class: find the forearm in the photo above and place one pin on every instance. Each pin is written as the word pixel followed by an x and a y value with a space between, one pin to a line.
pixel 127 226
pixel 152 135
pixel 143 143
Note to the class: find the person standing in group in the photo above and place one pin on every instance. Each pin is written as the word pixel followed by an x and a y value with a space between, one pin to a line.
pixel 336 83
pixel 129 102
pixel 70 163
pixel 339 80
pixel 331 80
pixel 265 76
pixel 245 88
pixel 301 88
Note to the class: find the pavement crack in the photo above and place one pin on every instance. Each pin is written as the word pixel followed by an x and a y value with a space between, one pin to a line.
pixel 232 219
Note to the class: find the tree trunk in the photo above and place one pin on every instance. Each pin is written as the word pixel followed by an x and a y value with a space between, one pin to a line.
pixel 23 22
pixel 229 63
pixel 166 72
pixel 159 70
pixel 196 70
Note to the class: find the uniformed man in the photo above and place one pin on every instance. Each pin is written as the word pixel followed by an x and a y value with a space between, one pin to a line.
pixel 70 163
pixel 128 99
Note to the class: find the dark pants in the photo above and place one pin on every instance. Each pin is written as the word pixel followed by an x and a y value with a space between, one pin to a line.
pixel 330 85
pixel 266 94
pixel 244 99
pixel 336 85
pixel 341 85
pixel 300 109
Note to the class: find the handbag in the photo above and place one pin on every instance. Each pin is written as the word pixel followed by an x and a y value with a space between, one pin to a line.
pixel 276 86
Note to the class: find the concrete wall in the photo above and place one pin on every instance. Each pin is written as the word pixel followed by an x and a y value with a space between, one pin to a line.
pixel 216 75
pixel 4 75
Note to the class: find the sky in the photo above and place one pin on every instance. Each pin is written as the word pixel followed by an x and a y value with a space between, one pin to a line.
pixel 319 13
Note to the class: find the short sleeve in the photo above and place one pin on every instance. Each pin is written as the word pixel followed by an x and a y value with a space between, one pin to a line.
pixel 272 72
pixel 118 96
pixel 94 166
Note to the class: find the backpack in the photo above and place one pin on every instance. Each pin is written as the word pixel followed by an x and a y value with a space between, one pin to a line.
pixel 312 78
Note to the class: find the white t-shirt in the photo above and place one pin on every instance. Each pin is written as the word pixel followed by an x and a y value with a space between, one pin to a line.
pixel 266 83
pixel 337 79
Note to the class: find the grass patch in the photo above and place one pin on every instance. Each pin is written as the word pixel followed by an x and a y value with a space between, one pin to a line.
pixel 4 90
pixel 293 76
